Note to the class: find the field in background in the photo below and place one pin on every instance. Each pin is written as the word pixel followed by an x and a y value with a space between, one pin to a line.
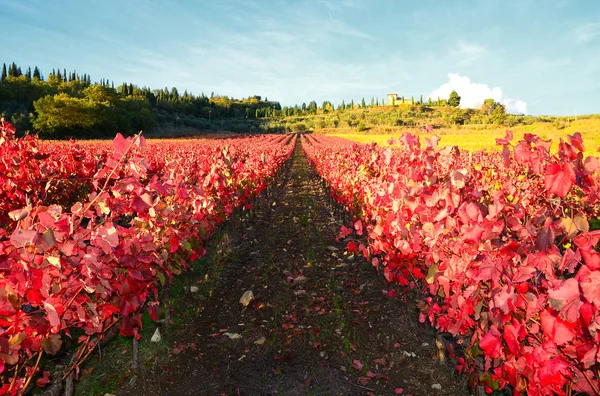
pixel 473 138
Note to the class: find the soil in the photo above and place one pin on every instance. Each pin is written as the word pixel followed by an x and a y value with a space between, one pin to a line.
pixel 321 321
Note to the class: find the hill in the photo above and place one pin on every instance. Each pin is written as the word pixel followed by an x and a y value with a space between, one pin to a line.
pixel 68 104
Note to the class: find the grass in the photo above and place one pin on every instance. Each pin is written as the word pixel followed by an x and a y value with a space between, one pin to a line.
pixel 477 137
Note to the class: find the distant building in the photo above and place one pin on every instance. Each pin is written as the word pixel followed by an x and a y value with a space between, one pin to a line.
pixel 393 100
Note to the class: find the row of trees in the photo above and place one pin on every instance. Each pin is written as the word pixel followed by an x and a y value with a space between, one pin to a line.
pixel 66 103
pixel 491 112
pixel 327 107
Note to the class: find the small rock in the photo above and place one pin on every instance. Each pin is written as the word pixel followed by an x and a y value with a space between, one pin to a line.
pixel 194 289
pixel 156 336
pixel 436 386
pixel 246 298
pixel 260 341
pixel 425 344
pixel 332 248
pixel 350 258
pixel 233 336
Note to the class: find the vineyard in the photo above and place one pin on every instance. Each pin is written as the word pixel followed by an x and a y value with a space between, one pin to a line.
pixel 501 248
pixel 504 247
pixel 91 234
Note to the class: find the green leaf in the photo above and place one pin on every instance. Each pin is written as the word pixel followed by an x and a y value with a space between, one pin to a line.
pixel 161 278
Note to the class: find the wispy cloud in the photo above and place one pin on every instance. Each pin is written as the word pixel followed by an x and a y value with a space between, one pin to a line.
pixel 586 33
pixel 19 6
pixel 333 5
pixel 467 52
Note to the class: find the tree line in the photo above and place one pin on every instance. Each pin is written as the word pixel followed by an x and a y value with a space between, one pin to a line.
pixel 491 111
pixel 68 104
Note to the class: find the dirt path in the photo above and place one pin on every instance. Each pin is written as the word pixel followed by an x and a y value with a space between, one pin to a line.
pixel 319 323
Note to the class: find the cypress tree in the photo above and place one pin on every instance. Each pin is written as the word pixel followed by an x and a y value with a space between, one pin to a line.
pixel 4 73
pixel 36 73
pixel 28 74
pixel 65 75
pixel 12 72
pixel 19 72
pixel 58 75
pixel 372 101
pixel 130 89
pixel 362 103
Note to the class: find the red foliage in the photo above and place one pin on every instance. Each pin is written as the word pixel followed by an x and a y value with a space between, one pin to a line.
pixel 499 243
pixel 94 254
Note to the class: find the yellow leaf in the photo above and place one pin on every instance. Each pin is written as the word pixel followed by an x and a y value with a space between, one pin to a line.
pixel 55 261
pixel 433 270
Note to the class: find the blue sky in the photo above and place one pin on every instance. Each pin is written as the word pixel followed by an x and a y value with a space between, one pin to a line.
pixel 538 57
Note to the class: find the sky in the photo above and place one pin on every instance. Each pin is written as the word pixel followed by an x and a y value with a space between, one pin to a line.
pixel 537 57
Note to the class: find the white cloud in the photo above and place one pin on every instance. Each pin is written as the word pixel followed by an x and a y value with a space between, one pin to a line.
pixel 473 94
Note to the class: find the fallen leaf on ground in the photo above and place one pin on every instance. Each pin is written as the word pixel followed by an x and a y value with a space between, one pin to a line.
pixel 300 279
pixel 177 350
pixel 156 336
pixel 357 364
pixel 233 336
pixel 246 298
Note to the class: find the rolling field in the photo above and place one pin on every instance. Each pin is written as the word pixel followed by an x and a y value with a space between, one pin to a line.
pixel 479 139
